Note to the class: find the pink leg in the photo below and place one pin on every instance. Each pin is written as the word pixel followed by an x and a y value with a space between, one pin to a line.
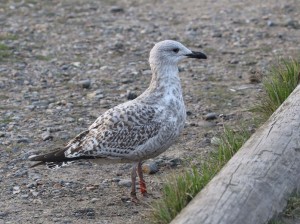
pixel 133 188
pixel 143 188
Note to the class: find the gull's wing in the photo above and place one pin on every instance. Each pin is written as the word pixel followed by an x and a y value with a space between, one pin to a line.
pixel 116 133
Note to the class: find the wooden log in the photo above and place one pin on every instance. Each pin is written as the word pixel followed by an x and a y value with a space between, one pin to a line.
pixel 257 181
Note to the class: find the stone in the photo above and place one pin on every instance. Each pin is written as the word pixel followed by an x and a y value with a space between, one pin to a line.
pixel 294 24
pixel 115 9
pixel 3 214
pixel 131 95
pixel 16 190
pixel 150 168
pixel 124 183
pixel 47 136
pixel 85 83
pixel 215 141
pixel 174 162
pixel 270 23
pixel 34 193
pixel 23 140
pixel 210 116
pixel 93 200
pixel 24 196
pixel 189 113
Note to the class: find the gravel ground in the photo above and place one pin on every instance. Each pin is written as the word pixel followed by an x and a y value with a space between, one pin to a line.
pixel 63 63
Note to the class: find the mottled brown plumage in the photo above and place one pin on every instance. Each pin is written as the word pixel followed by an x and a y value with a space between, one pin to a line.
pixel 139 129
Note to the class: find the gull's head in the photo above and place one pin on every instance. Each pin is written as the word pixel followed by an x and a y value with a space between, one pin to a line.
pixel 171 52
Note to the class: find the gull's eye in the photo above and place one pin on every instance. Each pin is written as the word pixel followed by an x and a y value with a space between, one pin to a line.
pixel 175 50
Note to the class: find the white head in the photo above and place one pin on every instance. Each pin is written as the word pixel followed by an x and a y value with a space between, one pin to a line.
pixel 171 52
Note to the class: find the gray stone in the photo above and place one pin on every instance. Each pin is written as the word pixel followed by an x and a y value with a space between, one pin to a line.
pixel 24 196
pixel 270 23
pixel 3 214
pixel 85 83
pixel 292 24
pixel 150 168
pixel 70 119
pixel 124 183
pixel 131 95
pixel 23 140
pixel 35 193
pixel 115 9
pixel 31 185
pixel 210 116
pixel 93 200
pixel 115 179
pixel 16 190
pixel 47 136
pixel 20 173
pixel 174 162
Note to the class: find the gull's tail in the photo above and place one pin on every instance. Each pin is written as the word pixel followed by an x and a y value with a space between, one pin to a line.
pixel 55 159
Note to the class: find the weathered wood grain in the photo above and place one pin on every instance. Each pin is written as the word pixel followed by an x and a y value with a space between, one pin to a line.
pixel 256 182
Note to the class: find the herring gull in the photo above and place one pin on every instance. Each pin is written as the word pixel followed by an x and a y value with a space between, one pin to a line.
pixel 139 129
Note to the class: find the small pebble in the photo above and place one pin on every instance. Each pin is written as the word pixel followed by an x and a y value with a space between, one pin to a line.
pixel 93 200
pixel 270 23
pixel 35 193
pixel 215 141
pixel 150 168
pixel 24 196
pixel 46 136
pixel 85 83
pixel 131 96
pixel 23 140
pixel 124 183
pixel 16 190
pixel 3 214
pixel 115 9
pixel 174 162
pixel 210 116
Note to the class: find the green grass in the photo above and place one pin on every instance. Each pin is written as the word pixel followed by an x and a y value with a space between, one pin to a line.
pixel 8 37
pixel 291 212
pixel 43 58
pixel 293 206
pixel 279 84
pixel 180 190
pixel 5 121
pixel 4 52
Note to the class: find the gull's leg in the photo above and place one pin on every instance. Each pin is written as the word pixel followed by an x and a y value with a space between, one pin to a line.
pixel 133 188
pixel 143 188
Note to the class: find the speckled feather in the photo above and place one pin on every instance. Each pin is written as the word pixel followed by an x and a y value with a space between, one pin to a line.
pixel 139 129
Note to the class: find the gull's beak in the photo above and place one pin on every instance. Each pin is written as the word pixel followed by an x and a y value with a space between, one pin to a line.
pixel 195 54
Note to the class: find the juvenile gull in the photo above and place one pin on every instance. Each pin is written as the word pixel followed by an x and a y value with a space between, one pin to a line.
pixel 139 129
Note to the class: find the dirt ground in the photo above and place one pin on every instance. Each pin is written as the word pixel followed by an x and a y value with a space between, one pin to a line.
pixel 63 63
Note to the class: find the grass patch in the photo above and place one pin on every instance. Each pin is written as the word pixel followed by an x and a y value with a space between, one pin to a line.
pixel 4 52
pixel 6 121
pixel 43 58
pixel 180 190
pixel 3 47
pixel 8 37
pixel 293 206
pixel 291 212
pixel 279 84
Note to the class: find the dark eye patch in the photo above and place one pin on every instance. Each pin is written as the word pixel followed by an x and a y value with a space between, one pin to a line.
pixel 175 50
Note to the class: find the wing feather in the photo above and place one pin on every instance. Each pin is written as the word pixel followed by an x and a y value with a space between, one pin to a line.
pixel 117 132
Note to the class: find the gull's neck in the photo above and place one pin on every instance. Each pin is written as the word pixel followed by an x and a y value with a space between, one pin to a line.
pixel 164 76
pixel 165 82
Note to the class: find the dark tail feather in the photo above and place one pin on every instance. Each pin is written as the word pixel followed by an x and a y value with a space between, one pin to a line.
pixel 37 164
pixel 55 159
